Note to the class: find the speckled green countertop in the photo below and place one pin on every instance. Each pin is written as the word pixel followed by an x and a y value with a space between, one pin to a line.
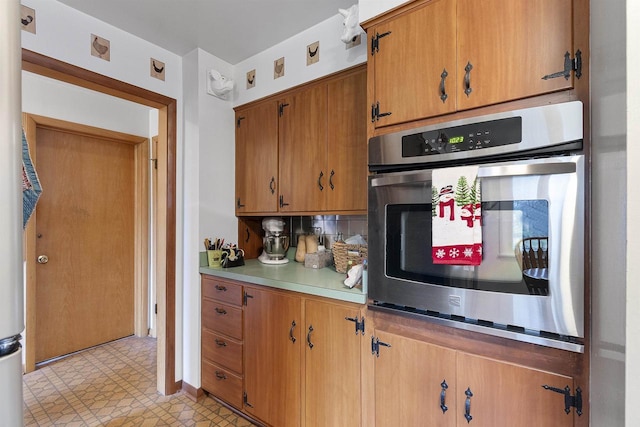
pixel 293 276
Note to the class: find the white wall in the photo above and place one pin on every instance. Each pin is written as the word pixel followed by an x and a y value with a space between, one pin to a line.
pixel 209 203
pixel 52 98
pixel 65 34
pixel 333 57
pixel 371 8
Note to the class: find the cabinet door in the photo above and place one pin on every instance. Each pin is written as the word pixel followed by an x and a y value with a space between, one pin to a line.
pixel 332 365
pixel 509 395
pixel 409 377
pixel 304 178
pixel 414 51
pixel 347 144
pixel 511 45
pixel 256 159
pixel 272 357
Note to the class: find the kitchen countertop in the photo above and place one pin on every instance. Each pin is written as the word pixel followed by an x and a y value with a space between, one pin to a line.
pixel 293 276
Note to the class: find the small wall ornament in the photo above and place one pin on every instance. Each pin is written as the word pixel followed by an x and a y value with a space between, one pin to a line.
pixel 100 47
pixel 278 68
pixel 218 85
pixel 156 69
pixel 313 53
pixel 28 19
pixel 352 30
pixel 251 79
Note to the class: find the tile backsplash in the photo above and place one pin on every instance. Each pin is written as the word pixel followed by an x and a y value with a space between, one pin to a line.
pixel 330 227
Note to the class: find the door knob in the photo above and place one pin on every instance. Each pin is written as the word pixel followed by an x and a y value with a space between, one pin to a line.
pixel 43 259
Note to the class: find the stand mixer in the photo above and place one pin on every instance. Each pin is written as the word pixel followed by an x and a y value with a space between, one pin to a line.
pixel 275 242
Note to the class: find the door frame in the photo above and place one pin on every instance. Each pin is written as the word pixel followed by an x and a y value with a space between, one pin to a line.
pixel 166 214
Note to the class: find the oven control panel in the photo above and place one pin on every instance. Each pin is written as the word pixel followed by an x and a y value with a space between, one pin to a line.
pixel 474 136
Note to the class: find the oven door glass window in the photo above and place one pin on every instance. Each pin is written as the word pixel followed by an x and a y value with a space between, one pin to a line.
pixel 514 248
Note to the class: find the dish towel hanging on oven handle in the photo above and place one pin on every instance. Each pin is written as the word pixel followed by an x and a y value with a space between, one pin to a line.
pixel 456 224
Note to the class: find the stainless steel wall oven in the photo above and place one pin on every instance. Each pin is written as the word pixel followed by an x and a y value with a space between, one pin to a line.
pixel 530 283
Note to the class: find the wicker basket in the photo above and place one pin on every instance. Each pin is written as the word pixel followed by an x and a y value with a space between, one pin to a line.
pixel 343 253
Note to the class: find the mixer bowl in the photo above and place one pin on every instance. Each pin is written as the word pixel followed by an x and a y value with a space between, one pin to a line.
pixel 276 246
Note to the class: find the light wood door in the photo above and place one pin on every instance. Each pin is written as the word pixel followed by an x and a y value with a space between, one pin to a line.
pixel 273 336
pixel 304 179
pixel 511 45
pixel 257 159
pixel 347 143
pixel 85 226
pixel 510 395
pixel 332 365
pixel 408 383
pixel 414 50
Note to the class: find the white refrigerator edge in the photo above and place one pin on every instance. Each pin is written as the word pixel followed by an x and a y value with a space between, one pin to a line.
pixel 11 270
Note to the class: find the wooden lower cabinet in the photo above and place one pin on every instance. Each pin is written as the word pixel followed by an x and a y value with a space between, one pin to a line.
pixel 283 358
pixel 222 339
pixel 273 357
pixel 332 364
pixel 417 383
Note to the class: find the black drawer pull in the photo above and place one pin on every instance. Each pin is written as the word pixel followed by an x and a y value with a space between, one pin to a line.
pixel 221 311
pixel 220 343
pixel 220 375
pixel 221 288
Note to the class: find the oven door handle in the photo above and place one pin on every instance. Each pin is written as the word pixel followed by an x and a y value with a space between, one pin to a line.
pixel 498 171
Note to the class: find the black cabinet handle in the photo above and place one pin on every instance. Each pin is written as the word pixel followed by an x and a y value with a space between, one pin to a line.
pixel 291 337
pixel 282 203
pixel 467 405
pixel 238 204
pixel 220 343
pixel 331 179
pixel 272 185
pixel 467 79
pixel 220 375
pixel 320 181
pixel 443 91
pixel 221 288
pixel 309 336
pixel 248 235
pixel 221 311
pixel 443 396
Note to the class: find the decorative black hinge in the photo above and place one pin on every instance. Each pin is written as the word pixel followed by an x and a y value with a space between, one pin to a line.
pixel 238 121
pixel 569 400
pixel 375 112
pixel 570 65
pixel 281 109
pixel 375 45
pixel 375 346
pixel 244 398
pixel 359 324
pixel 246 297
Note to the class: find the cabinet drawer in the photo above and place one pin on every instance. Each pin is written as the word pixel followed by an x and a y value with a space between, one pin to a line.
pixel 223 351
pixel 222 383
pixel 230 293
pixel 222 318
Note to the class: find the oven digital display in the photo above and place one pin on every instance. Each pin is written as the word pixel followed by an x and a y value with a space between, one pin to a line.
pixel 456 139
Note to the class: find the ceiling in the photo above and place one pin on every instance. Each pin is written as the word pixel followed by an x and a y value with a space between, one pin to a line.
pixel 231 30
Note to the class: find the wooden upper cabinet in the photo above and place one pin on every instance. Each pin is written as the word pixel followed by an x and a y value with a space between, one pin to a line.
pixel 505 394
pixel 304 178
pixel 347 144
pixel 511 45
pixel 414 64
pixel 257 159
pixel 493 51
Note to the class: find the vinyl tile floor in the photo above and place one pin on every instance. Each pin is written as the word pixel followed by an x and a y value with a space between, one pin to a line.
pixel 114 385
